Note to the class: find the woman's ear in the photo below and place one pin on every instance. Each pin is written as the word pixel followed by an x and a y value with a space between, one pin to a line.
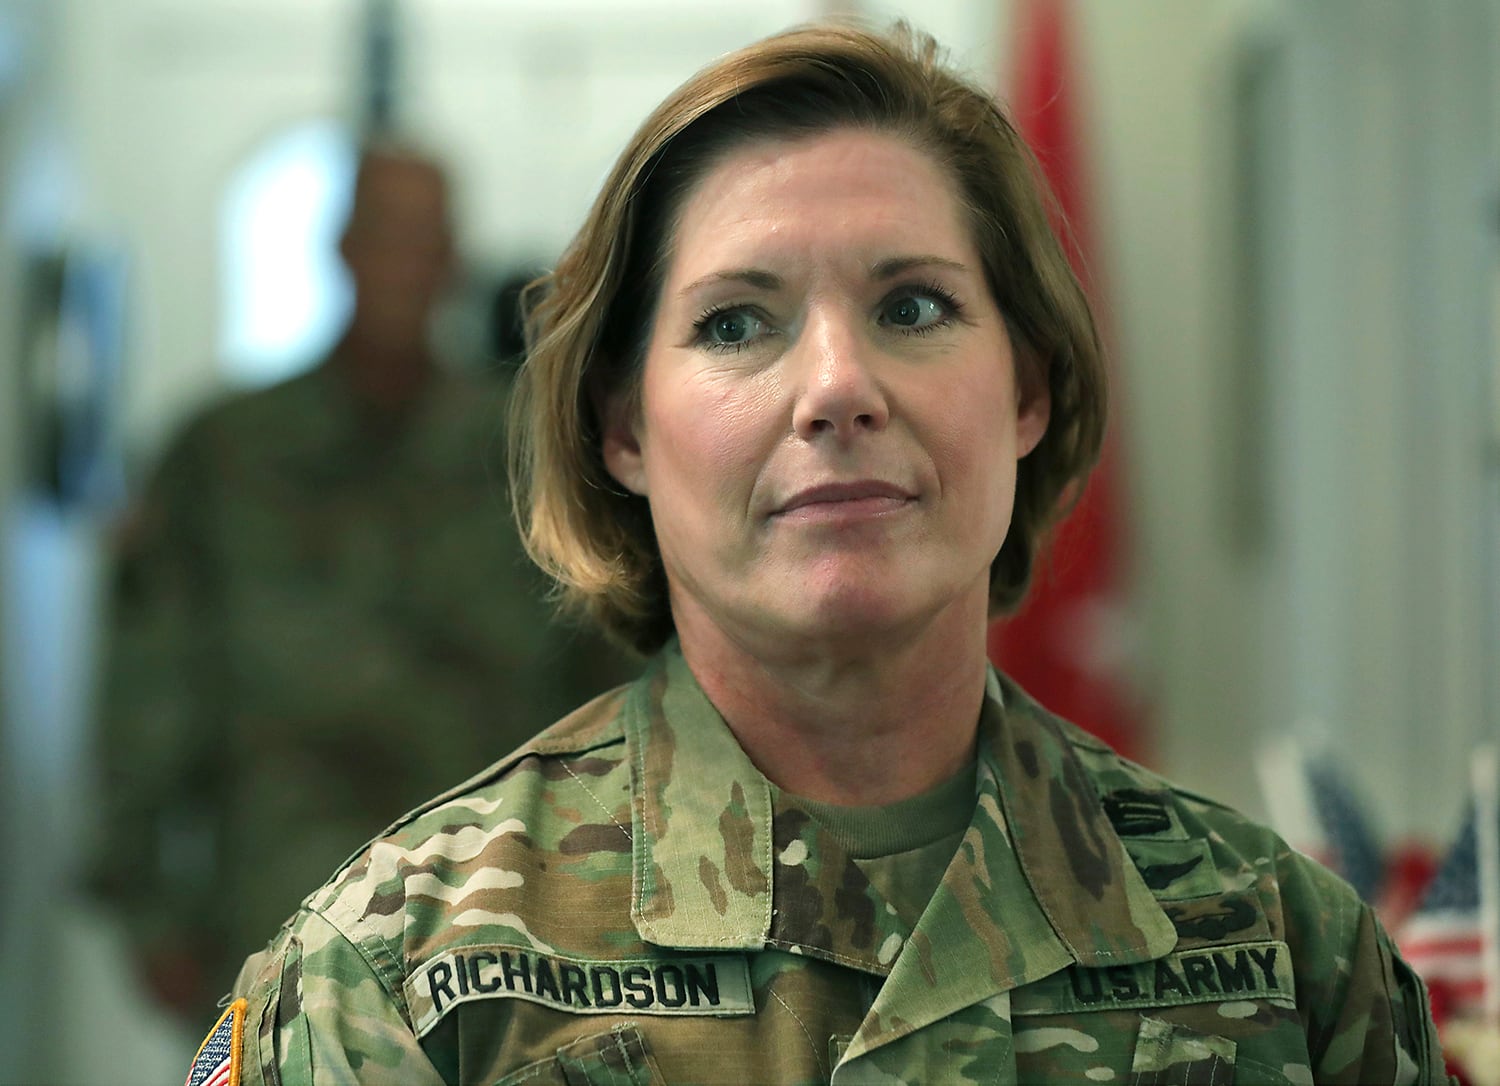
pixel 619 414
pixel 1033 402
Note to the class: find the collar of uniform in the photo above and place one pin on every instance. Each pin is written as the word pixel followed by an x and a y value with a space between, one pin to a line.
pixel 1076 864
pixel 701 838
pixel 724 861
pixel 1040 881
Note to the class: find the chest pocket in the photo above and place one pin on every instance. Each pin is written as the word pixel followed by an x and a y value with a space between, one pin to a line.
pixel 1171 1054
pixel 1168 1054
pixel 616 1058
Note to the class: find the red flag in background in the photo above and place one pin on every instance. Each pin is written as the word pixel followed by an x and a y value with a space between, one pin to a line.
pixel 1068 644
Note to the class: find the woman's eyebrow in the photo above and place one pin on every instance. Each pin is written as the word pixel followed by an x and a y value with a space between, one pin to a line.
pixel 900 265
pixel 761 279
pixel 755 277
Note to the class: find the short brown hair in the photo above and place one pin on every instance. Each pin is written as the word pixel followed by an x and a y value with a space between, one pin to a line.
pixel 590 319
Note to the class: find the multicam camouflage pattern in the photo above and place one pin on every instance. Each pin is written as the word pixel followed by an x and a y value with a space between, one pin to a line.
pixel 627 900
pixel 316 621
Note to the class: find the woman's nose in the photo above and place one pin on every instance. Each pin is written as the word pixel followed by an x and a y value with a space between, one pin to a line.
pixel 839 394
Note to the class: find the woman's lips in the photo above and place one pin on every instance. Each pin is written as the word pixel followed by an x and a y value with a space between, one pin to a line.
pixel 840 501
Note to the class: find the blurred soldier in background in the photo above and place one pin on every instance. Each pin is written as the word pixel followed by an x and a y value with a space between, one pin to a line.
pixel 322 616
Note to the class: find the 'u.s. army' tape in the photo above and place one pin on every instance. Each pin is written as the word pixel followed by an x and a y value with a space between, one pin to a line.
pixel 1258 971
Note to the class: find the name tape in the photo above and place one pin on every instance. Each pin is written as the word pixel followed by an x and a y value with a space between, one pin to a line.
pixel 1220 974
pixel 715 985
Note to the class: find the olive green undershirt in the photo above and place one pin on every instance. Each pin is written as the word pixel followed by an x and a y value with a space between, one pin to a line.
pixel 904 847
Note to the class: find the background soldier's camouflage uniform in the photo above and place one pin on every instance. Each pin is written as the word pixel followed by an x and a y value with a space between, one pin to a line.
pixel 318 624
pixel 628 900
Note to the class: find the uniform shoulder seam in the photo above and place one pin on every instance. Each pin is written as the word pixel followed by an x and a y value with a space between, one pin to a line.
pixel 1081 740
pixel 390 977
pixel 594 725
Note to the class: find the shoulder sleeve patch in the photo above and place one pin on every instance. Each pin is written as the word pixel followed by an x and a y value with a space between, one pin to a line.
pixel 218 1060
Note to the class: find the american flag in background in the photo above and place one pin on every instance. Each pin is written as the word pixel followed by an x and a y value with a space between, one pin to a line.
pixel 1444 939
pixel 1453 938
pixel 1315 804
pixel 1349 843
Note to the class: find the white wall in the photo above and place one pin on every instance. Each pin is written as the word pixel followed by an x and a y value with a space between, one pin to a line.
pixel 1313 514
pixel 1155 76
pixel 164 99
pixel 1298 286
pixel 975 33
pixel 1380 428
pixel 529 100
pixel 534 100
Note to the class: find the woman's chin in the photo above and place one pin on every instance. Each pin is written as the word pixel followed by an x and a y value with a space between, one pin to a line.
pixel 863 612
pixel 830 609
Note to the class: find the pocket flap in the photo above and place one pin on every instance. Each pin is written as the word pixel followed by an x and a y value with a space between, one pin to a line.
pixel 1167 1054
pixel 617 1058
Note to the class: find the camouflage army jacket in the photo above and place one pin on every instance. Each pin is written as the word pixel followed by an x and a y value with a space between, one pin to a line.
pixel 313 618
pixel 627 900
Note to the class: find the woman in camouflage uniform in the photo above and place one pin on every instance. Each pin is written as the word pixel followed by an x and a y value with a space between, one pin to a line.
pixel 803 396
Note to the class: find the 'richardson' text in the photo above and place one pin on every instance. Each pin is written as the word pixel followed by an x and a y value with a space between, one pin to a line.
pixel 715 985
pixel 585 987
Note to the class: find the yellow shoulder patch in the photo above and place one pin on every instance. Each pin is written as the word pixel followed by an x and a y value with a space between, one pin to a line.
pixel 218 1060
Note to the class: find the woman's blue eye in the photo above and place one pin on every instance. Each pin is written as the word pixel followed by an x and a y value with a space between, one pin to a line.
pixel 914 311
pixel 730 328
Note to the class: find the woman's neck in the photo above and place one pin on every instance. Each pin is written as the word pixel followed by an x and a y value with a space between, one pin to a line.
pixel 865 726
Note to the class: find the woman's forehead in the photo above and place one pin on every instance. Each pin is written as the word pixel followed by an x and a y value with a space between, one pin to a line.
pixel 867 197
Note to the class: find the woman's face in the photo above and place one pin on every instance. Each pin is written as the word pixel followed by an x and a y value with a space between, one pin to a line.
pixel 829 416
